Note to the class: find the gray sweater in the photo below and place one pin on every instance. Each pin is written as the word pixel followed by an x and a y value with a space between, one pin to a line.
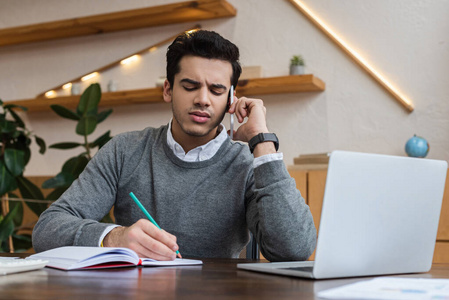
pixel 209 205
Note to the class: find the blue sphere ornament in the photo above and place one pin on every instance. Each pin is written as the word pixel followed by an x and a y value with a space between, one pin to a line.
pixel 417 147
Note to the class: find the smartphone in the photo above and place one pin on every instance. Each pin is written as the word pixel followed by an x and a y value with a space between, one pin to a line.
pixel 231 99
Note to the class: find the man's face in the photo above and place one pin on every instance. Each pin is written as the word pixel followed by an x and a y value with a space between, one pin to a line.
pixel 199 98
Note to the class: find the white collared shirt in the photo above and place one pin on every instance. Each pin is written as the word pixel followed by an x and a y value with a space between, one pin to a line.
pixel 207 151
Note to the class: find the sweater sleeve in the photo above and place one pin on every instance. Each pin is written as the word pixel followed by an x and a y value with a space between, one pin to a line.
pixel 73 220
pixel 277 214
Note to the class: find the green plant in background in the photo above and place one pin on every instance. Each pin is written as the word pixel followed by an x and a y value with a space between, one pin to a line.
pixel 297 65
pixel 15 154
pixel 87 117
pixel 297 60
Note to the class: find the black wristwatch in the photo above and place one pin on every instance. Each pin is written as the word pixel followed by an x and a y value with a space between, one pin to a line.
pixel 263 137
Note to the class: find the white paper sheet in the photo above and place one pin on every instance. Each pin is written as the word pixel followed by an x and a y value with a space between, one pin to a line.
pixel 391 288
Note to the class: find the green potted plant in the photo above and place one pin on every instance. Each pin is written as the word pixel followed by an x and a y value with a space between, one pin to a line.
pixel 297 65
pixel 87 117
pixel 15 154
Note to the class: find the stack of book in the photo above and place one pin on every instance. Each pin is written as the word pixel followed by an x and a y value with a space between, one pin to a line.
pixel 311 161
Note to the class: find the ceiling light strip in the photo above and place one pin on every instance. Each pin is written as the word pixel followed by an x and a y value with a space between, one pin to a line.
pixel 354 55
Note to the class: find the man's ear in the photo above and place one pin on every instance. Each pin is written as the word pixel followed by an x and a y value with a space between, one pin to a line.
pixel 167 92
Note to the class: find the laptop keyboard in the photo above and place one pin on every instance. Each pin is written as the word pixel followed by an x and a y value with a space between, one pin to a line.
pixel 304 269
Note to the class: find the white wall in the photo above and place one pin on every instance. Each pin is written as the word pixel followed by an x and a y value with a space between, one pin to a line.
pixel 407 41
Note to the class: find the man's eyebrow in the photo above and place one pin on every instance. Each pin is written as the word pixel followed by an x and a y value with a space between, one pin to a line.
pixel 191 81
pixel 213 85
pixel 218 86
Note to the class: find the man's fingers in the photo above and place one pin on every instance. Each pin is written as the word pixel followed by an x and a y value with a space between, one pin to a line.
pixel 157 250
pixel 144 238
pixel 161 235
pixel 157 242
pixel 239 108
pixel 148 253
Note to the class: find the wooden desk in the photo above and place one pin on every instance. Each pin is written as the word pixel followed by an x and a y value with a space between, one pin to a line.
pixel 216 279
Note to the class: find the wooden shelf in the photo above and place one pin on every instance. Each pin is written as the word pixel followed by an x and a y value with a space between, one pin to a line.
pixel 280 85
pixel 188 11
pixel 249 87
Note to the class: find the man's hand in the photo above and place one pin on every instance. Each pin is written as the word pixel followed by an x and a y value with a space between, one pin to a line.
pixel 145 239
pixel 255 111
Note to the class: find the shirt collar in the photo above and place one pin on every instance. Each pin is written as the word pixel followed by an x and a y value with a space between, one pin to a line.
pixel 200 153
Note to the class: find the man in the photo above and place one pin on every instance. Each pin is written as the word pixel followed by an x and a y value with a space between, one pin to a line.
pixel 203 189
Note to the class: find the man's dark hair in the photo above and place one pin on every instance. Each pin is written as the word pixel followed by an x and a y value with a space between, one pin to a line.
pixel 202 43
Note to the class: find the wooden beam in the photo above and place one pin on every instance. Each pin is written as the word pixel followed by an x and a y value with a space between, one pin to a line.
pixel 187 11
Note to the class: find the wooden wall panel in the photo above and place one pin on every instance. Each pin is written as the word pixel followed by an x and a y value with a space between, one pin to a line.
pixel 443 228
pixel 441 253
pixel 316 184
pixel 300 177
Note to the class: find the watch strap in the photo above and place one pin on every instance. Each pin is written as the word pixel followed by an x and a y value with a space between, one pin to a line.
pixel 261 138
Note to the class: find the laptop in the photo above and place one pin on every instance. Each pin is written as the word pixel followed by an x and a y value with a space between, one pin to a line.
pixel 380 216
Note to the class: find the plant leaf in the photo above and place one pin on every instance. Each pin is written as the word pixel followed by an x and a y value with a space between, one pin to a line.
pixel 16 117
pixel 7 126
pixel 15 161
pixel 7 225
pixel 65 145
pixel 103 115
pixel 62 179
pixel 41 143
pixel 22 142
pixel 56 193
pixel 21 242
pixel 86 125
pixel 7 182
pixel 89 100
pixel 36 207
pixel 102 140
pixel 11 106
pixel 18 218
pixel 29 190
pixel 27 156
pixel 12 195
pixel 65 112
pixel 75 165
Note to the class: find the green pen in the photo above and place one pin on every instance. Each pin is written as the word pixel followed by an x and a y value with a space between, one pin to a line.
pixel 147 214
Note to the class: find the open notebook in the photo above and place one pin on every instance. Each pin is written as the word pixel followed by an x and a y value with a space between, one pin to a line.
pixel 85 258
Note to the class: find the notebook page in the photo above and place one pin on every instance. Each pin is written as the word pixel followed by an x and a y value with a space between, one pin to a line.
pixel 176 262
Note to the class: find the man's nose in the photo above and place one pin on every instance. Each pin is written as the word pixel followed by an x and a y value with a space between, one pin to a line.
pixel 202 97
